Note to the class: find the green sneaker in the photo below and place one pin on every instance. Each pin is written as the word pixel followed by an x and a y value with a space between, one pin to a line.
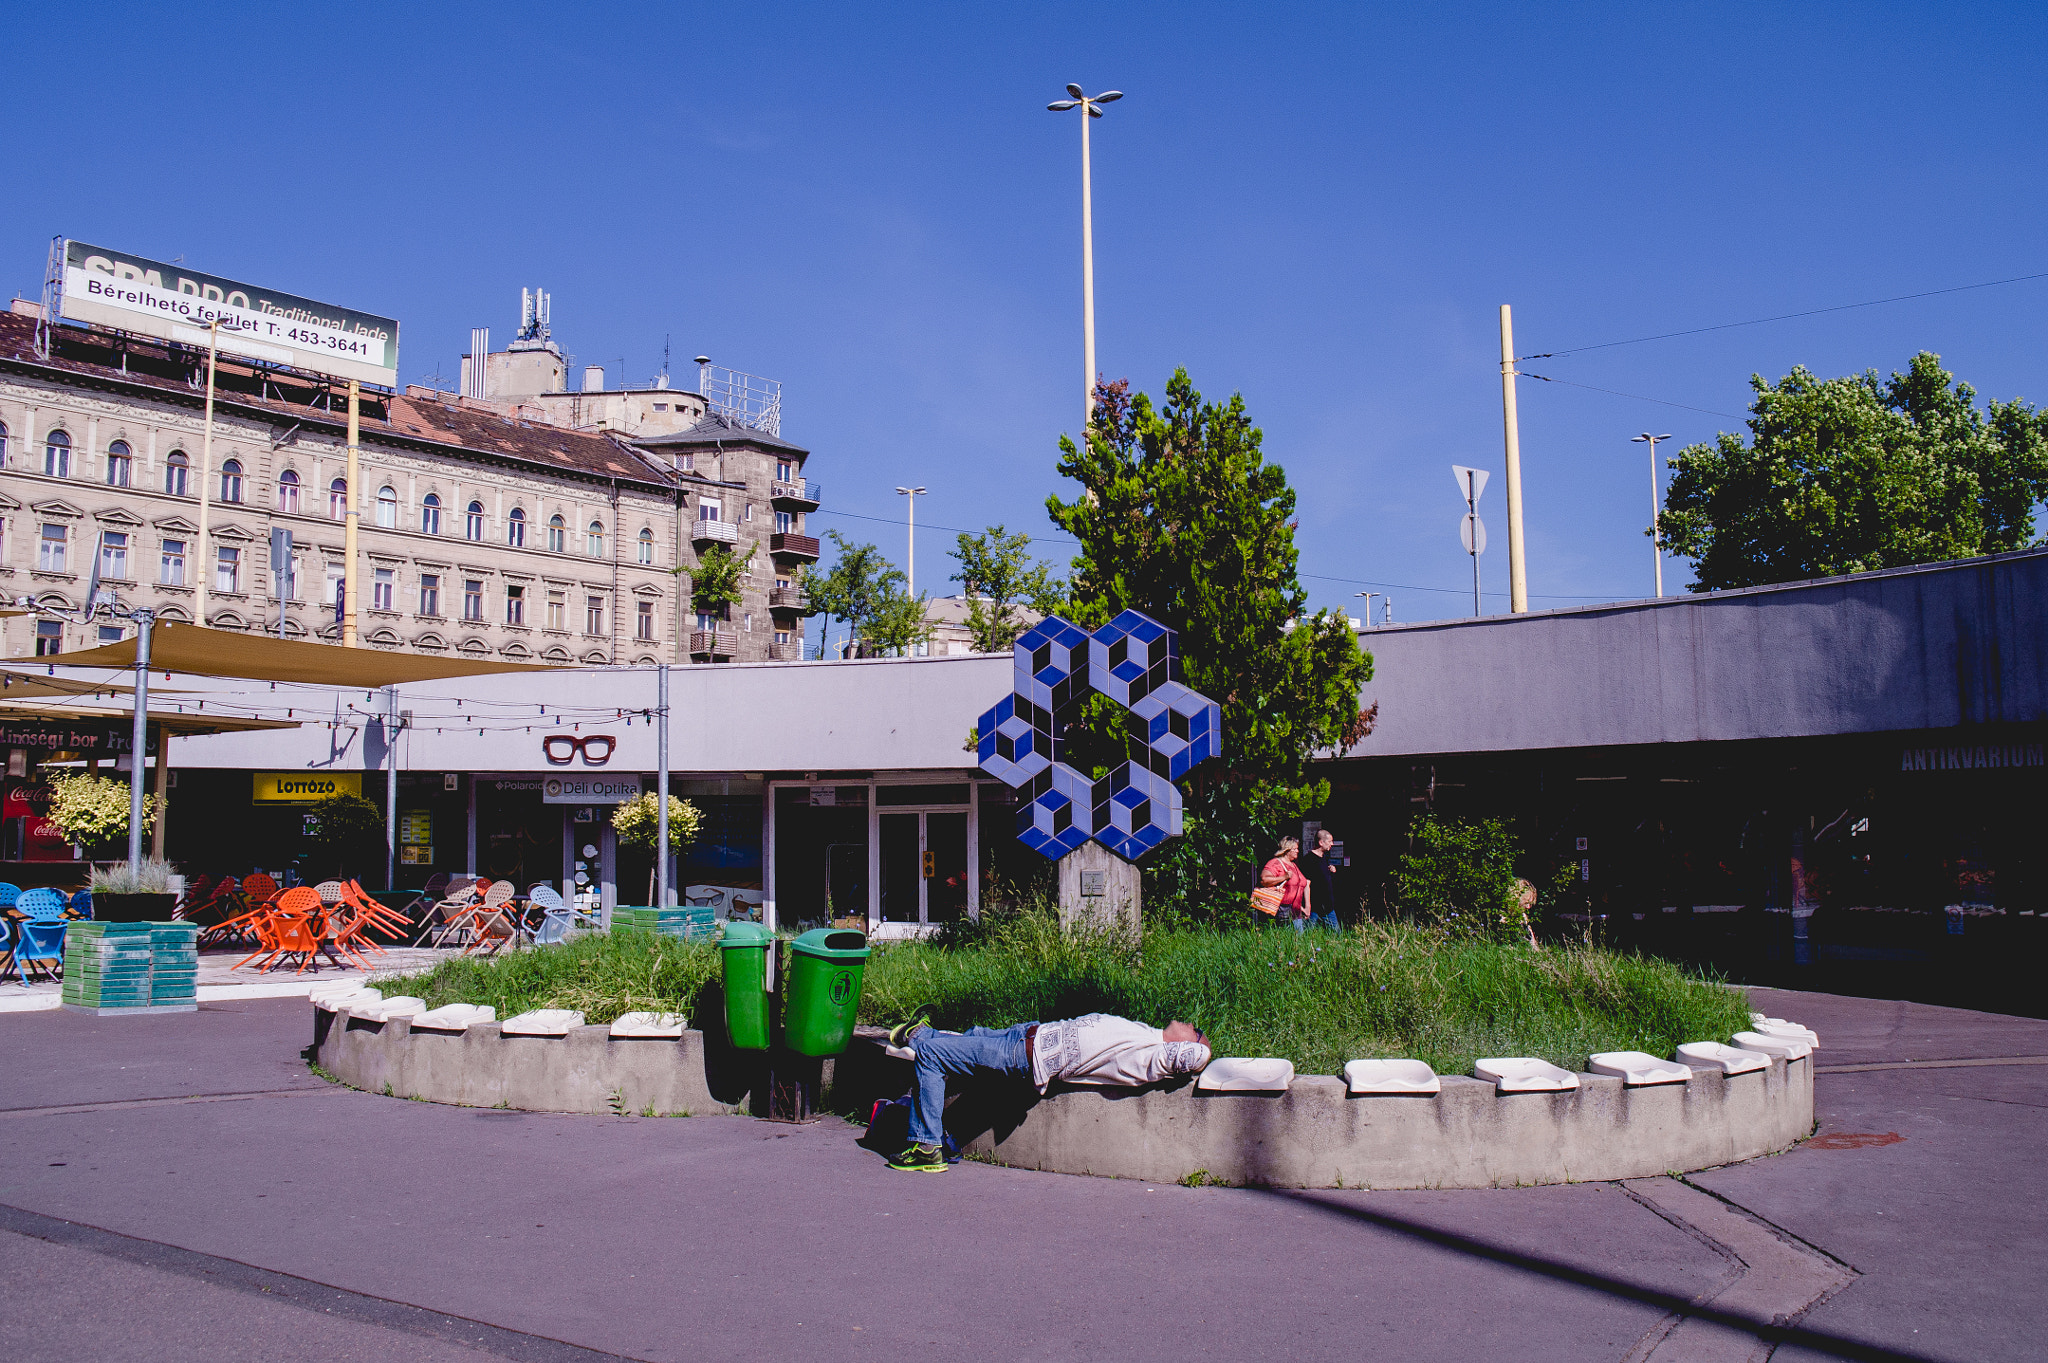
pixel 920 1159
pixel 900 1033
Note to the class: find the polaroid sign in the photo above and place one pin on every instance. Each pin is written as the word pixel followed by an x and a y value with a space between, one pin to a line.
pixel 132 293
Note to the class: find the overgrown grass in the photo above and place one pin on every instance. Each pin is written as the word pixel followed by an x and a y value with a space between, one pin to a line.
pixel 1319 999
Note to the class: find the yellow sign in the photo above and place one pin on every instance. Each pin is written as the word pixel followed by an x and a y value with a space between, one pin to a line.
pixel 416 826
pixel 304 788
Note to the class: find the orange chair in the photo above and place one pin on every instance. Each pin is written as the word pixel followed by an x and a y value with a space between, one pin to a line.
pixel 288 927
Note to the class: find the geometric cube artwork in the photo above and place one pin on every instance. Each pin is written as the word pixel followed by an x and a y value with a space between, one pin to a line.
pixel 1135 661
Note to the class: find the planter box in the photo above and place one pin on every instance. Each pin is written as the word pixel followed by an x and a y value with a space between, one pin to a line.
pixel 133 908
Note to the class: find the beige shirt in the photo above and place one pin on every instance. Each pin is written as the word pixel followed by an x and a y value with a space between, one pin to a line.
pixel 1104 1049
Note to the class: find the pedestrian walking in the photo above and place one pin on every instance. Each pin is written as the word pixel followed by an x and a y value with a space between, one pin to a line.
pixel 1283 893
pixel 1320 868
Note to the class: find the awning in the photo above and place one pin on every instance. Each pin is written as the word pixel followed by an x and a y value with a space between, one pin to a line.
pixel 254 657
pixel 26 685
pixel 170 721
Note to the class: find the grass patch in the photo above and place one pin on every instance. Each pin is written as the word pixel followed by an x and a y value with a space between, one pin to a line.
pixel 1318 999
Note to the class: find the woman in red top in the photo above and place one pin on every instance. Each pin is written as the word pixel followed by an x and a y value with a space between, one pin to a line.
pixel 1282 871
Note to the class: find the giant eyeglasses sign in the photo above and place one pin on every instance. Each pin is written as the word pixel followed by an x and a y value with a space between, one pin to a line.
pixel 561 749
pixel 1135 661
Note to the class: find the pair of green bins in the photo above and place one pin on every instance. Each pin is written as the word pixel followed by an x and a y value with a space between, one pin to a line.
pixel 821 993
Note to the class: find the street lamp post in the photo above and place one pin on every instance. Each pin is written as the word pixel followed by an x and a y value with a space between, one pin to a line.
pixel 1091 107
pixel 205 564
pixel 1368 606
pixel 1656 505
pixel 913 493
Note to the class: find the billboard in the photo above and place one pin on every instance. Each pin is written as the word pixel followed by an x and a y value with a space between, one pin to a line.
pixel 173 303
pixel 303 788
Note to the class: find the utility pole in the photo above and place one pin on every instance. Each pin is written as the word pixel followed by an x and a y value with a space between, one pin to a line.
pixel 205 564
pixel 354 494
pixel 1518 576
pixel 1090 107
pixel 1368 606
pixel 661 854
pixel 913 493
pixel 1656 505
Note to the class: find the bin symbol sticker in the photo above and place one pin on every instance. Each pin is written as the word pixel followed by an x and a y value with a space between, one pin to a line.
pixel 842 986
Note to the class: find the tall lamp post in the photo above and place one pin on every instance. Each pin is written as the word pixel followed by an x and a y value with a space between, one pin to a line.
pixel 205 564
pixel 1091 107
pixel 913 493
pixel 1656 504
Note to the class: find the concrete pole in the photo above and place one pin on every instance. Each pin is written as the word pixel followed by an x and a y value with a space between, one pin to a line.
pixel 1518 578
pixel 163 793
pixel 1656 515
pixel 205 555
pixel 349 597
pixel 661 890
pixel 390 788
pixel 1087 278
pixel 1472 509
pixel 912 499
pixel 138 739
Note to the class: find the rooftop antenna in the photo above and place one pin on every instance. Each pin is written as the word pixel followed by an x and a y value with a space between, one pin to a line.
pixel 664 358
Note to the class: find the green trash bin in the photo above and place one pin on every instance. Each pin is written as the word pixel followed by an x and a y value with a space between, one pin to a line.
pixel 744 957
pixel 825 969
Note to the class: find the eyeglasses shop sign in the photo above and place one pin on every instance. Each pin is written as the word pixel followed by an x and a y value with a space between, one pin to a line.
pixel 589 790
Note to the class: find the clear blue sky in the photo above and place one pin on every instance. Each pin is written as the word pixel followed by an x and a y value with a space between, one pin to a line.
pixel 1319 206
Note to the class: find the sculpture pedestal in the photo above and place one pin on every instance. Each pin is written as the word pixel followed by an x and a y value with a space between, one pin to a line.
pixel 1099 887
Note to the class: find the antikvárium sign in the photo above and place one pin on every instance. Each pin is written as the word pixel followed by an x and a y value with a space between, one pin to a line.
pixel 136 294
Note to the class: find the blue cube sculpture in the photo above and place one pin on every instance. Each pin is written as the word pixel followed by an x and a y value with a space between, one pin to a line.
pixel 1135 810
pixel 1180 728
pixel 1015 740
pixel 1132 656
pixel 1058 813
pixel 1052 664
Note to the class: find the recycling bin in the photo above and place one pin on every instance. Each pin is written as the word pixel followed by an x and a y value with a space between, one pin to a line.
pixel 744 958
pixel 825 969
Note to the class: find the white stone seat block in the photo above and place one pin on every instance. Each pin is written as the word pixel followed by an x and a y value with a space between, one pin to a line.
pixel 1525 1074
pixel 455 1017
pixel 1791 1031
pixel 668 1025
pixel 1713 1055
pixel 354 1002
pixel 1636 1068
pixel 1241 1075
pixel 404 1006
pixel 1784 1047
pixel 542 1022
pixel 1390 1076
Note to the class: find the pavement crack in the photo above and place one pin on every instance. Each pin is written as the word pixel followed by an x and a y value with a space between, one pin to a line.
pixel 119 1104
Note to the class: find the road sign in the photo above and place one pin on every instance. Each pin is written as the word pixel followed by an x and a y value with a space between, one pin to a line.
pixel 1472 533
pixel 1471 482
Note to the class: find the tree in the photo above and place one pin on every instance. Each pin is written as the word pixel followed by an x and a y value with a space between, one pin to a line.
pixel 996 572
pixel 1852 474
pixel 897 625
pixel 859 585
pixel 1181 517
pixel 351 833
pixel 638 823
pixel 91 809
pixel 715 581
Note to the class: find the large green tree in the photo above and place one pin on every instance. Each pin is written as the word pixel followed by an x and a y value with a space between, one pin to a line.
pixel 998 574
pixel 868 593
pixel 1851 474
pixel 1181 517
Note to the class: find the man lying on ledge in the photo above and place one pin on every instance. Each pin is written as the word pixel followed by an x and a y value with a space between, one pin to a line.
pixel 1096 1049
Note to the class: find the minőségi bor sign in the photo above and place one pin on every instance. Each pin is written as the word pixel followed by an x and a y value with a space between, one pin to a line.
pixel 136 294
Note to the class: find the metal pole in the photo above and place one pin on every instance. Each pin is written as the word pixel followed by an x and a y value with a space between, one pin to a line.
pixel 353 494
pixel 912 499
pixel 390 788
pixel 138 739
pixel 163 793
pixel 1087 277
pixel 206 474
pixel 661 892
pixel 1472 509
pixel 1518 576
pixel 1656 514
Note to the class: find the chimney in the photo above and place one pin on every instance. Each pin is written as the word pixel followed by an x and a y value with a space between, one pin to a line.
pixel 593 378
pixel 474 363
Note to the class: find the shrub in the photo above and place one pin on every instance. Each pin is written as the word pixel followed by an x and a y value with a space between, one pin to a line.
pixel 638 822
pixel 351 832
pixel 151 877
pixel 93 809
pixel 1460 877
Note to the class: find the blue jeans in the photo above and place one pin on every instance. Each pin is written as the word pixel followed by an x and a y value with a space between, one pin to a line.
pixel 1326 919
pixel 978 1051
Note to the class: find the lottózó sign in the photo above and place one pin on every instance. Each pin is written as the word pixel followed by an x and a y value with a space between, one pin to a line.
pixel 589 790
pixel 304 787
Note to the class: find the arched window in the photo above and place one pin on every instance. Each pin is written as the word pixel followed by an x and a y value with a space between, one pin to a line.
pixel 57 456
pixel 337 499
pixel 647 547
pixel 515 529
pixel 3 444
pixel 288 493
pixel 593 540
pixel 231 481
pixel 120 464
pixel 558 534
pixel 387 508
pixel 473 522
pixel 176 468
pixel 430 514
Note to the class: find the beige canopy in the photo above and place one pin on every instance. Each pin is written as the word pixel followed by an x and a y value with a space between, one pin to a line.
pixel 254 657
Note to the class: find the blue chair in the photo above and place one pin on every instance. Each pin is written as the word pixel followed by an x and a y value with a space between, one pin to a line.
pixel 81 904
pixel 41 930
pixel 7 936
pixel 8 894
pixel 555 916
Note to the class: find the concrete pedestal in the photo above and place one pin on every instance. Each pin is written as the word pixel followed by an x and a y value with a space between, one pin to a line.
pixel 1099 886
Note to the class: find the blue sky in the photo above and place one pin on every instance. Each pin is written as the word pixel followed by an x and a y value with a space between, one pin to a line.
pixel 1321 207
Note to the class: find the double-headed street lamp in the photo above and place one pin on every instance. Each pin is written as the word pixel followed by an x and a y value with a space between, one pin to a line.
pixel 1656 504
pixel 1091 107
pixel 913 493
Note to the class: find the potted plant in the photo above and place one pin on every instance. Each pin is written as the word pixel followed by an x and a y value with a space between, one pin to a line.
pixel 93 811
pixel 143 895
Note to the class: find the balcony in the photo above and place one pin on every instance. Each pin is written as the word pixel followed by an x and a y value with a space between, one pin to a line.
pixel 787 599
pixel 797 494
pixel 785 653
pixel 714 643
pixel 716 532
pixel 793 546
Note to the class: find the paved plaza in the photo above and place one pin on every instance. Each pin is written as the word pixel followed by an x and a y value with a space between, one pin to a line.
pixel 182 1187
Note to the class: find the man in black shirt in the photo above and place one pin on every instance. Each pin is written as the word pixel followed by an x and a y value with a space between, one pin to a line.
pixel 1320 869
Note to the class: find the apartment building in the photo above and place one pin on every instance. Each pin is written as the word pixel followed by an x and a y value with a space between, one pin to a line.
pixel 482 531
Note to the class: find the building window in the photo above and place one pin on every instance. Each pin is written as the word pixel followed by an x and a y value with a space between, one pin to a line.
pixel 781 637
pixel 3 444
pixel 171 570
pixel 430 593
pixel 50 558
pixel 176 469
pixel 337 499
pixel 661 406
pixel 430 514
pixel 748 514
pixel 558 534
pixel 593 539
pixel 472 599
pixel 49 638
pixel 515 529
pixel 689 463
pixel 336 589
pixel 785 471
pixel 114 554
pixel 647 548
pixel 473 522
pixel 747 623
pixel 707 620
pixel 784 523
pixel 593 615
pixel 110 634
pixel 231 481
pixel 387 508
pixel 120 464
pixel 558 610
pixel 288 493
pixel 57 455
pixel 643 622
pixel 383 589
pixel 227 570
pixel 515 605
pixel 707 508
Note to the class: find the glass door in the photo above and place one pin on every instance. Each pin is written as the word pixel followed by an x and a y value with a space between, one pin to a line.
pixel 924 865
pixel 902 844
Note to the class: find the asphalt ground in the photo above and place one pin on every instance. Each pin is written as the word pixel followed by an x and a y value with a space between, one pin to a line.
pixel 180 1186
